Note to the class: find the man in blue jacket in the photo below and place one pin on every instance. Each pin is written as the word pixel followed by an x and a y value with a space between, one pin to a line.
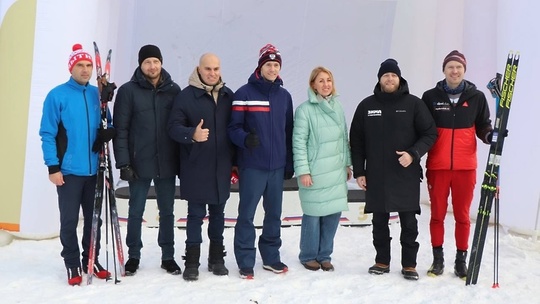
pixel 261 127
pixel 71 138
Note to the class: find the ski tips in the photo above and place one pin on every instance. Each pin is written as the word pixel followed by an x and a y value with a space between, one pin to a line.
pixel 513 55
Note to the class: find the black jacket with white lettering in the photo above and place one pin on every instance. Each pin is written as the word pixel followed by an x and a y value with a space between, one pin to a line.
pixel 383 124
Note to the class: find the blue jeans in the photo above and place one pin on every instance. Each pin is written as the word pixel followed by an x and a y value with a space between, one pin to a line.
pixel 317 237
pixel 216 223
pixel 77 192
pixel 138 191
pixel 254 184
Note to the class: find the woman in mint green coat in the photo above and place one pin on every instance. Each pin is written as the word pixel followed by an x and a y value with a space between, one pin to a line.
pixel 322 164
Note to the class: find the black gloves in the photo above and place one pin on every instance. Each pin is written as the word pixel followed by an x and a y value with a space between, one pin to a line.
pixel 252 140
pixel 128 174
pixel 288 175
pixel 107 91
pixel 489 137
pixel 103 136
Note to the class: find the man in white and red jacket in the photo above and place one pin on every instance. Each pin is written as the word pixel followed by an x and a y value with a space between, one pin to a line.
pixel 461 114
pixel 261 127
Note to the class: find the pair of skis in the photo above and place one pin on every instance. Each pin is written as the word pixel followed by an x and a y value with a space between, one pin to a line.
pixel 105 180
pixel 503 96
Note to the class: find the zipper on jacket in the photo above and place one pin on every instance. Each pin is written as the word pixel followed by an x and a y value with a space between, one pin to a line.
pixel 270 160
pixel 88 133
pixel 156 117
pixel 453 107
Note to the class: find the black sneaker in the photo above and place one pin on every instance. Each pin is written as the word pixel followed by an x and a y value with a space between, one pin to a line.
pixel 410 273
pixel 278 267
pixel 247 273
pixel 379 269
pixel 171 267
pixel 131 266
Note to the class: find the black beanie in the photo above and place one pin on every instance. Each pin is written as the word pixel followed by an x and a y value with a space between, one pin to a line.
pixel 389 66
pixel 148 51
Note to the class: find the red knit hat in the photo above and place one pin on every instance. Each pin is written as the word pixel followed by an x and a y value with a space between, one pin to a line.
pixel 455 56
pixel 77 55
pixel 268 53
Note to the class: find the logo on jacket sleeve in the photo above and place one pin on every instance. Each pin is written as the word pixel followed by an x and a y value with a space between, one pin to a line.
pixel 374 113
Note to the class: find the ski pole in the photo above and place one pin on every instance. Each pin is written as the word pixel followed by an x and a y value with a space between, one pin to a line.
pixel 496 241
pixel 106 234
pixel 110 194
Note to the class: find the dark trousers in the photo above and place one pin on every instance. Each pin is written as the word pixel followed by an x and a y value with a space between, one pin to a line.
pixel 138 191
pixel 76 192
pixel 195 217
pixel 409 232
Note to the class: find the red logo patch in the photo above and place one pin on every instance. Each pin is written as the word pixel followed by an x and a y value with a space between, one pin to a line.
pixel 465 104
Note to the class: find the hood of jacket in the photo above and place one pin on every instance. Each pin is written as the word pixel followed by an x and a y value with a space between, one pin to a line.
pixel 316 98
pixel 264 85
pixel 165 80
pixel 195 81
pixel 402 90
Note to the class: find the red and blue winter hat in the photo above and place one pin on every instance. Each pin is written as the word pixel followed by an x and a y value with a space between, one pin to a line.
pixel 77 55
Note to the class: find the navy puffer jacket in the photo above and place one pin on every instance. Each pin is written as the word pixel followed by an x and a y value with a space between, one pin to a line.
pixel 141 114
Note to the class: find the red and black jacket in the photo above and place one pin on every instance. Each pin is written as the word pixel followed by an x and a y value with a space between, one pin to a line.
pixel 457 125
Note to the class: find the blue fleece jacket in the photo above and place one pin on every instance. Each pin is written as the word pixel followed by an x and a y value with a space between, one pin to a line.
pixel 265 108
pixel 69 124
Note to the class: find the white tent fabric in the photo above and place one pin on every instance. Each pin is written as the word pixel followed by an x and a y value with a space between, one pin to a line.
pixel 349 37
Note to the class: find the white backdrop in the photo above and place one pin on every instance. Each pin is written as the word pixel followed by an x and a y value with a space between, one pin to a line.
pixel 349 37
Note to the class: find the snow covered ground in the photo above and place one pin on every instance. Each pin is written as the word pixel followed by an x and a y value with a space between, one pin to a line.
pixel 33 272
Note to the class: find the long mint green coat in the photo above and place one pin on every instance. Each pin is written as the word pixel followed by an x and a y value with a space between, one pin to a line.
pixel 321 148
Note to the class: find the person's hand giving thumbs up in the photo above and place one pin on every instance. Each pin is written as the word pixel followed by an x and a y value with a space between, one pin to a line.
pixel 200 134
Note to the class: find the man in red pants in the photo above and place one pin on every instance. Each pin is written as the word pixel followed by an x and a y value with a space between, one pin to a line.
pixel 461 114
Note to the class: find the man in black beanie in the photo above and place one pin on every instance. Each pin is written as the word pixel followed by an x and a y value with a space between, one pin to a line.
pixel 144 152
pixel 390 132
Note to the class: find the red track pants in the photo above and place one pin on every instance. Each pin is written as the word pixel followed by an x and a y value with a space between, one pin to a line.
pixel 461 183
